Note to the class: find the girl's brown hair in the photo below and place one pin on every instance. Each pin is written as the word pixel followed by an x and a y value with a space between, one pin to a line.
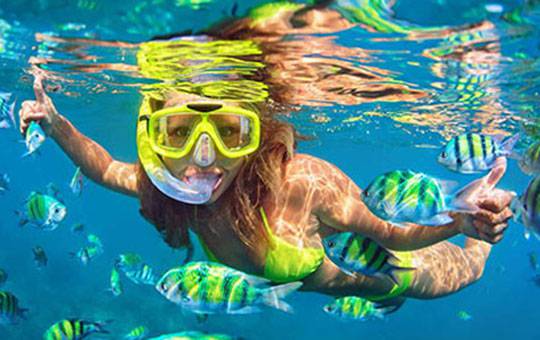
pixel 259 176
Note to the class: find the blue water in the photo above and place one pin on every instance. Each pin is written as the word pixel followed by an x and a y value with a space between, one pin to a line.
pixel 382 135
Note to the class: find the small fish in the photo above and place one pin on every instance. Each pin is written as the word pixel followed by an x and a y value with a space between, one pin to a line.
pixel 3 276
pixel 40 257
pixel 533 260
pixel 209 288
pixel 86 254
pixel 116 285
pixel 354 253
pixel 406 196
pixel 10 312
pixel 529 163
pixel 77 181
pixel 74 329
pixel 4 183
pixel 35 136
pixel 356 308
pixel 527 211
pixel 138 272
pixel 463 315
pixel 137 333
pixel 43 211
pixel 473 152
pixel 77 228
pixel 94 240
pixel 194 335
pixel 7 111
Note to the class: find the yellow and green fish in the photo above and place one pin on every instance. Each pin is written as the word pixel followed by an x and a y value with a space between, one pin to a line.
pixel 209 288
pixel 74 329
pixel 354 253
pixel 138 272
pixel 137 333
pixel 10 312
pixel 115 282
pixel 43 211
pixel 194 335
pixel 35 136
pixel 357 308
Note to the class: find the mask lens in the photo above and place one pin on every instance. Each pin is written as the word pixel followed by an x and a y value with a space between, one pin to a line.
pixel 173 131
pixel 234 130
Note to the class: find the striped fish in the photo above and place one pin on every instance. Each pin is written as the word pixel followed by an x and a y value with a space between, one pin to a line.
pixel 35 136
pixel 10 312
pixel 473 152
pixel 193 335
pixel 76 183
pixel 406 196
pixel 74 329
pixel 354 253
pixel 209 288
pixel 138 272
pixel 87 253
pixel 116 284
pixel 7 111
pixel 43 211
pixel 137 333
pixel 530 161
pixel 526 209
pixel 356 308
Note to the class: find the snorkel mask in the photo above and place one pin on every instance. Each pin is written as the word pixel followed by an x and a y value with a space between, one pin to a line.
pixel 197 129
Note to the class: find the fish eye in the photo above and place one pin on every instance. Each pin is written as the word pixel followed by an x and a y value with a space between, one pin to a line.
pixel 163 286
pixel 331 244
pixel 186 298
pixel 443 154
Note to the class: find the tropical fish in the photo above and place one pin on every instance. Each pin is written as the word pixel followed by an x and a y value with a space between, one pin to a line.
pixel 473 152
pixel 94 240
pixel 4 183
pixel 354 253
pixel 43 211
pixel 357 308
pixel 10 312
pixel 209 288
pixel 533 260
pixel 137 333
pixel 86 254
pixel 406 196
pixel 77 228
pixel 77 181
pixel 7 111
pixel 116 285
pixel 40 257
pixel 194 335
pixel 463 315
pixel 526 209
pixel 3 276
pixel 138 272
pixel 530 161
pixel 35 136
pixel 74 329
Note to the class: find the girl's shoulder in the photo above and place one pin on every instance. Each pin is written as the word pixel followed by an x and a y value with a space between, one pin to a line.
pixel 303 164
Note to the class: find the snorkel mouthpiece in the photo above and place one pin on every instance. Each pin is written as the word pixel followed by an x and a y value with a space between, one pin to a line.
pixel 205 152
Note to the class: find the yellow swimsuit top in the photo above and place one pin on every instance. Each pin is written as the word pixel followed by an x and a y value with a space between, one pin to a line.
pixel 284 262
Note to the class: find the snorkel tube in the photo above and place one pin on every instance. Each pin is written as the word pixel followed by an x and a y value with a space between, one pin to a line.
pixel 197 191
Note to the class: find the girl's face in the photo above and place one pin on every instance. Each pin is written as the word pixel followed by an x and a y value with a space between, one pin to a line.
pixel 204 160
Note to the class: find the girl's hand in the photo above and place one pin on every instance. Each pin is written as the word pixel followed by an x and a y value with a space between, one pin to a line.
pixel 41 110
pixel 489 222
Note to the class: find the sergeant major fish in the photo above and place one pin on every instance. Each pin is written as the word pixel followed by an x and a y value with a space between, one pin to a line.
pixel 526 209
pixel 74 329
pixel 10 312
pixel 137 333
pixel 7 111
pixel 86 254
pixel 354 253
pixel 530 161
pixel 209 288
pixel 356 308
pixel 115 282
pixel 406 196
pixel 138 272
pixel 76 183
pixel 194 335
pixel 35 136
pixel 473 152
pixel 43 211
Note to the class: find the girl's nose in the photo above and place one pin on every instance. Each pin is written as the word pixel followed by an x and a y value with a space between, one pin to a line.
pixel 205 152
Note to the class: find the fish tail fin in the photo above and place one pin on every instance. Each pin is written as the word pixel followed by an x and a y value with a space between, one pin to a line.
pixel 508 145
pixel 100 326
pixel 382 310
pixel 393 273
pixel 26 154
pixel 272 296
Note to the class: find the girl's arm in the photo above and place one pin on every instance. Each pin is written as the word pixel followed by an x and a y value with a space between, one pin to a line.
pixel 95 162
pixel 336 202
